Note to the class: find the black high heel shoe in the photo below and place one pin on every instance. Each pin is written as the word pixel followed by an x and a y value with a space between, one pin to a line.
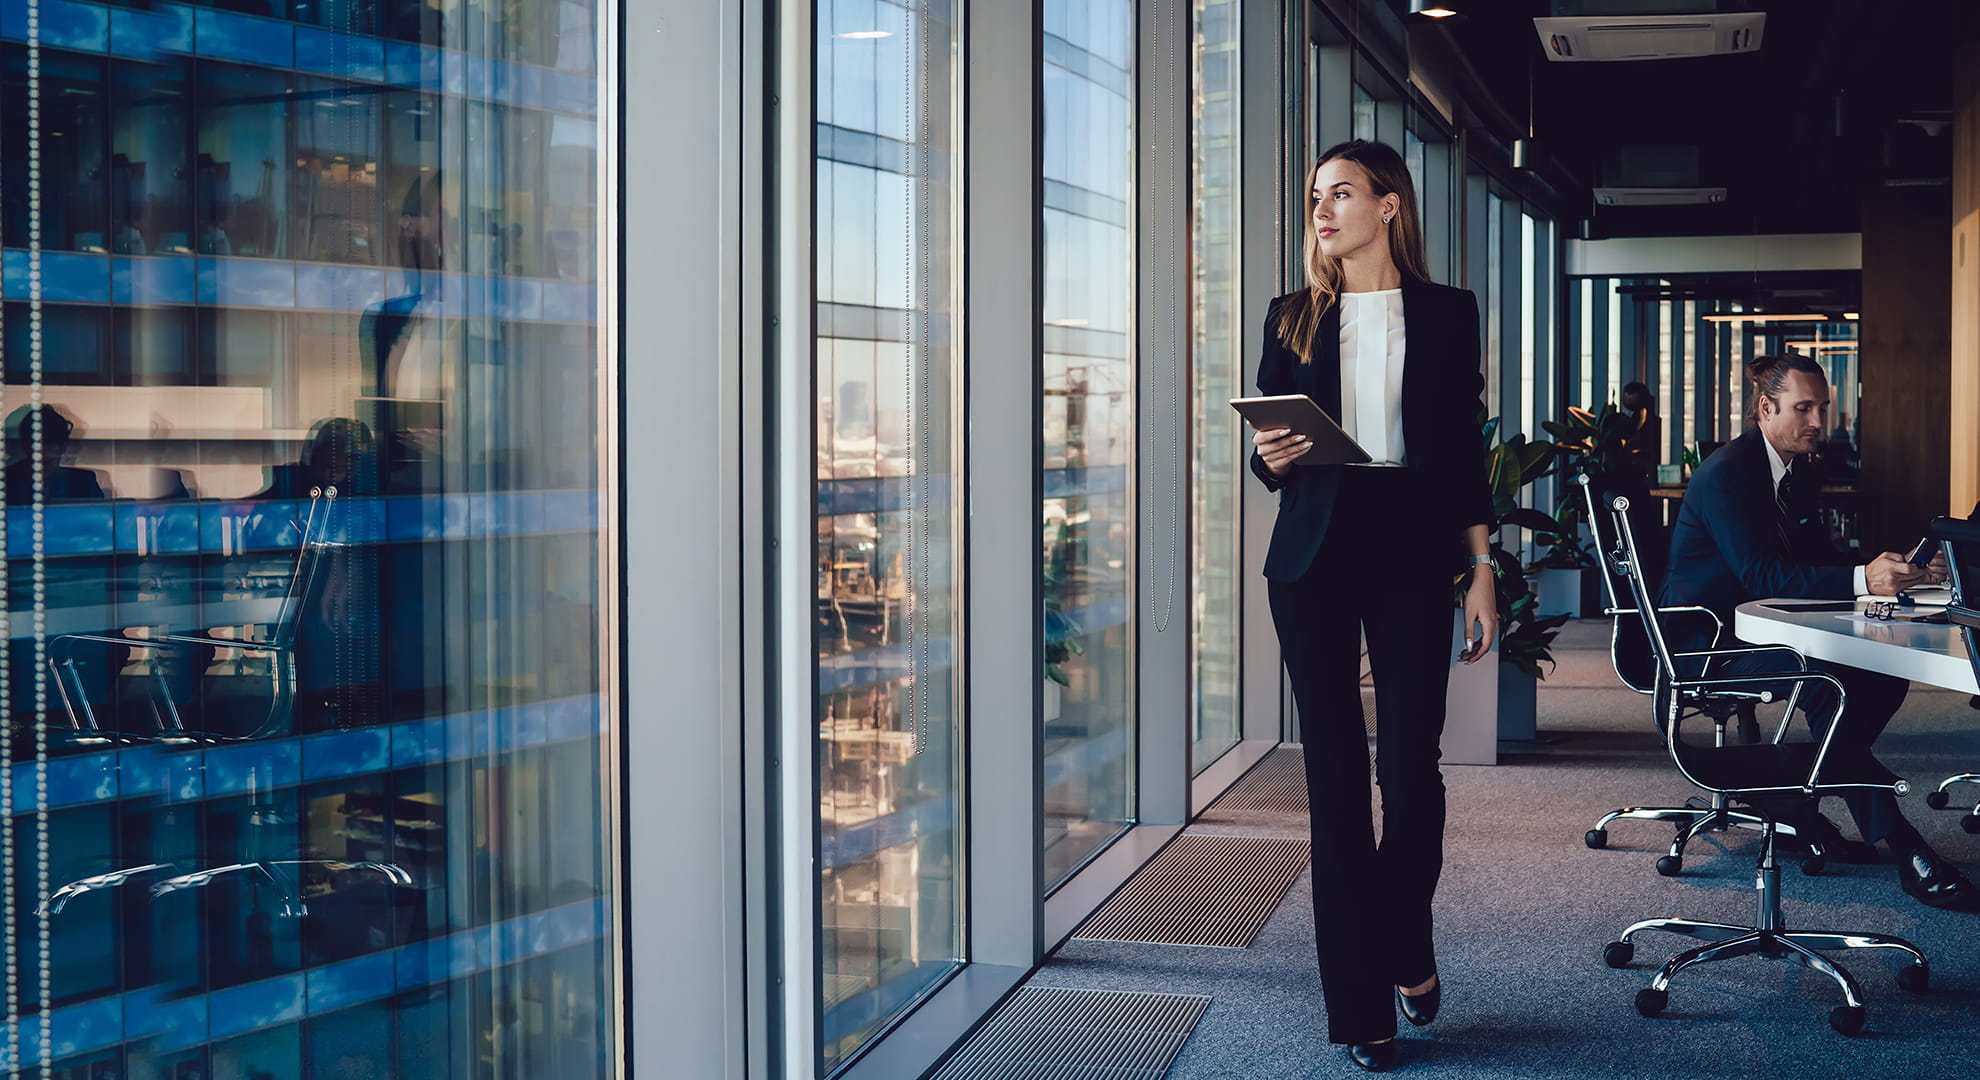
pixel 1420 1009
pixel 1374 1057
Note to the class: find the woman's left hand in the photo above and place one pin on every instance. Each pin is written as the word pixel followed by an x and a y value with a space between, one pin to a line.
pixel 1481 615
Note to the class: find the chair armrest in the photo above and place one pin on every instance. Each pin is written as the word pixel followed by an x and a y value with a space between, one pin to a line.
pixel 223 643
pixel 1737 650
pixel 1795 677
pixel 164 640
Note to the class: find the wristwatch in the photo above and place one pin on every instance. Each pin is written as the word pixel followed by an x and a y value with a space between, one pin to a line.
pixel 1486 559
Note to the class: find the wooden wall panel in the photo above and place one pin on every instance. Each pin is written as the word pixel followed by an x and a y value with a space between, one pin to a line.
pixel 1907 344
pixel 1964 450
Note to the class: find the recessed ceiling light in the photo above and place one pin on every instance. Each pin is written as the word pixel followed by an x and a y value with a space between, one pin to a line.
pixel 1753 317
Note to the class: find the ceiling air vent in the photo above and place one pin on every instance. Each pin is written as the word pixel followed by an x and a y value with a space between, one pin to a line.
pixel 1659 196
pixel 1650 37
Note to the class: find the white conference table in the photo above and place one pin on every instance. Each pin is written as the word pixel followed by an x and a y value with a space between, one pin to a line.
pixel 1921 652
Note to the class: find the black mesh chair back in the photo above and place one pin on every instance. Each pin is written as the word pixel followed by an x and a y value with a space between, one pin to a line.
pixel 1687 686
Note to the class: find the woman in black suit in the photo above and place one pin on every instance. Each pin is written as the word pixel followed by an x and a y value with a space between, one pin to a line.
pixel 1373 549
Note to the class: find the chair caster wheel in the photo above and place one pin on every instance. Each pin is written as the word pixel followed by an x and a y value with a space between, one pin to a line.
pixel 1618 954
pixel 1670 865
pixel 1915 979
pixel 1938 800
pixel 1597 839
pixel 1971 823
pixel 1847 1019
pixel 1651 1002
pixel 1814 864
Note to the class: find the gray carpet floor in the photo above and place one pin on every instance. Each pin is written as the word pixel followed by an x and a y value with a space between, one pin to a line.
pixel 1524 909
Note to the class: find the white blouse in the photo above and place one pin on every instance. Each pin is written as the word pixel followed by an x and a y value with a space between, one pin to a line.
pixel 1372 373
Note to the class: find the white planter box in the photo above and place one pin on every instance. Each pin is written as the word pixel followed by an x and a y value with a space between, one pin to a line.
pixel 1471 705
pixel 1518 705
pixel 1557 592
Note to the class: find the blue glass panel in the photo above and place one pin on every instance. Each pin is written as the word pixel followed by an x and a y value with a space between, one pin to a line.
pixel 153 281
pixel 256 1005
pixel 252 767
pixel 245 38
pixel 65 277
pixel 247 283
pixel 68 25
pixel 166 28
pixel 346 56
pixel 352 982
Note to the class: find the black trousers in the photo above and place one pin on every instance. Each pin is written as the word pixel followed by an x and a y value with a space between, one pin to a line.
pixel 1379 571
pixel 1873 698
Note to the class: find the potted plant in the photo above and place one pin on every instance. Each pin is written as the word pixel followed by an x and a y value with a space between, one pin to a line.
pixel 1559 571
pixel 1597 444
pixel 1062 630
pixel 1525 636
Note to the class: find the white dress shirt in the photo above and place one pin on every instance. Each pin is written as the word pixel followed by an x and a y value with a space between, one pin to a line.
pixel 1372 373
pixel 1780 471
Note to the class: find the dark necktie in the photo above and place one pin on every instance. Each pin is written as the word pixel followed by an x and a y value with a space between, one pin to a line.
pixel 1792 500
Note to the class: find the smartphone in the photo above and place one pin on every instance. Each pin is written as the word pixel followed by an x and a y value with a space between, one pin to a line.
pixel 1923 554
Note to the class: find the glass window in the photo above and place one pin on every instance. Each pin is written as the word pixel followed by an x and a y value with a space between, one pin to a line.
pixel 1088 379
pixel 888 522
pixel 307 729
pixel 1529 323
pixel 1495 274
pixel 1419 174
pixel 1585 318
pixel 1665 360
pixel 1364 114
pixel 1217 364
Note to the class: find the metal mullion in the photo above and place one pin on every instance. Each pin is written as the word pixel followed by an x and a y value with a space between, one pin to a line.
pixel 1002 294
pixel 1271 118
pixel 678 248
pixel 1161 321
pixel 792 502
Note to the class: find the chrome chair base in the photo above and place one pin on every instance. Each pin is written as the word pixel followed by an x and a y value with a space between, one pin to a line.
pixel 1691 822
pixel 1769 937
pixel 1940 799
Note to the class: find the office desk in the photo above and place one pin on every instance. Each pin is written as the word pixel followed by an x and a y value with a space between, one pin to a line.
pixel 1921 652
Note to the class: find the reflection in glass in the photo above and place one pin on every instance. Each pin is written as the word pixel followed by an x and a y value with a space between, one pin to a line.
pixel 1088 375
pixel 887 625
pixel 1216 360
pixel 301 497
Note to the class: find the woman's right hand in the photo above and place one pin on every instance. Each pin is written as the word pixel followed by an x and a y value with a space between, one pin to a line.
pixel 1280 448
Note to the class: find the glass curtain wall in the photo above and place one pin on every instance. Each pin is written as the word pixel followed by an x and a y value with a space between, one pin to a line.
pixel 1087 520
pixel 887 622
pixel 1694 357
pixel 1216 342
pixel 302 350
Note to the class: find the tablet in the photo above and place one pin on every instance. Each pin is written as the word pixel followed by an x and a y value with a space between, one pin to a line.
pixel 1331 445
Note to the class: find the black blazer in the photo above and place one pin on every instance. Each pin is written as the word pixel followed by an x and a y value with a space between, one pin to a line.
pixel 1441 400
pixel 1730 544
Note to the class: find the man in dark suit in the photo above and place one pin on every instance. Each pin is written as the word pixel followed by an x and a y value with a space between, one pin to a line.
pixel 1748 529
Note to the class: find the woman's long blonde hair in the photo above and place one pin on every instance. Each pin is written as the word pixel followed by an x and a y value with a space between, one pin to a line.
pixel 1299 317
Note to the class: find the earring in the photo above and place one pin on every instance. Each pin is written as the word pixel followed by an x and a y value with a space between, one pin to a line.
pixel 1388 219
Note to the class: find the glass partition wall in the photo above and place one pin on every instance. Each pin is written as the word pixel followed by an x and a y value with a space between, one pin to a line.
pixel 302 353
pixel 1088 533
pixel 1218 449
pixel 887 624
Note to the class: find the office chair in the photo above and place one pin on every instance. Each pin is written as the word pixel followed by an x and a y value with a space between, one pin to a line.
pixel 280 647
pixel 1960 542
pixel 1635 664
pixel 1778 771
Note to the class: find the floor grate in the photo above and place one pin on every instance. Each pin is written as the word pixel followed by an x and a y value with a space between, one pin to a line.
pixel 1276 785
pixel 1202 890
pixel 1056 1033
